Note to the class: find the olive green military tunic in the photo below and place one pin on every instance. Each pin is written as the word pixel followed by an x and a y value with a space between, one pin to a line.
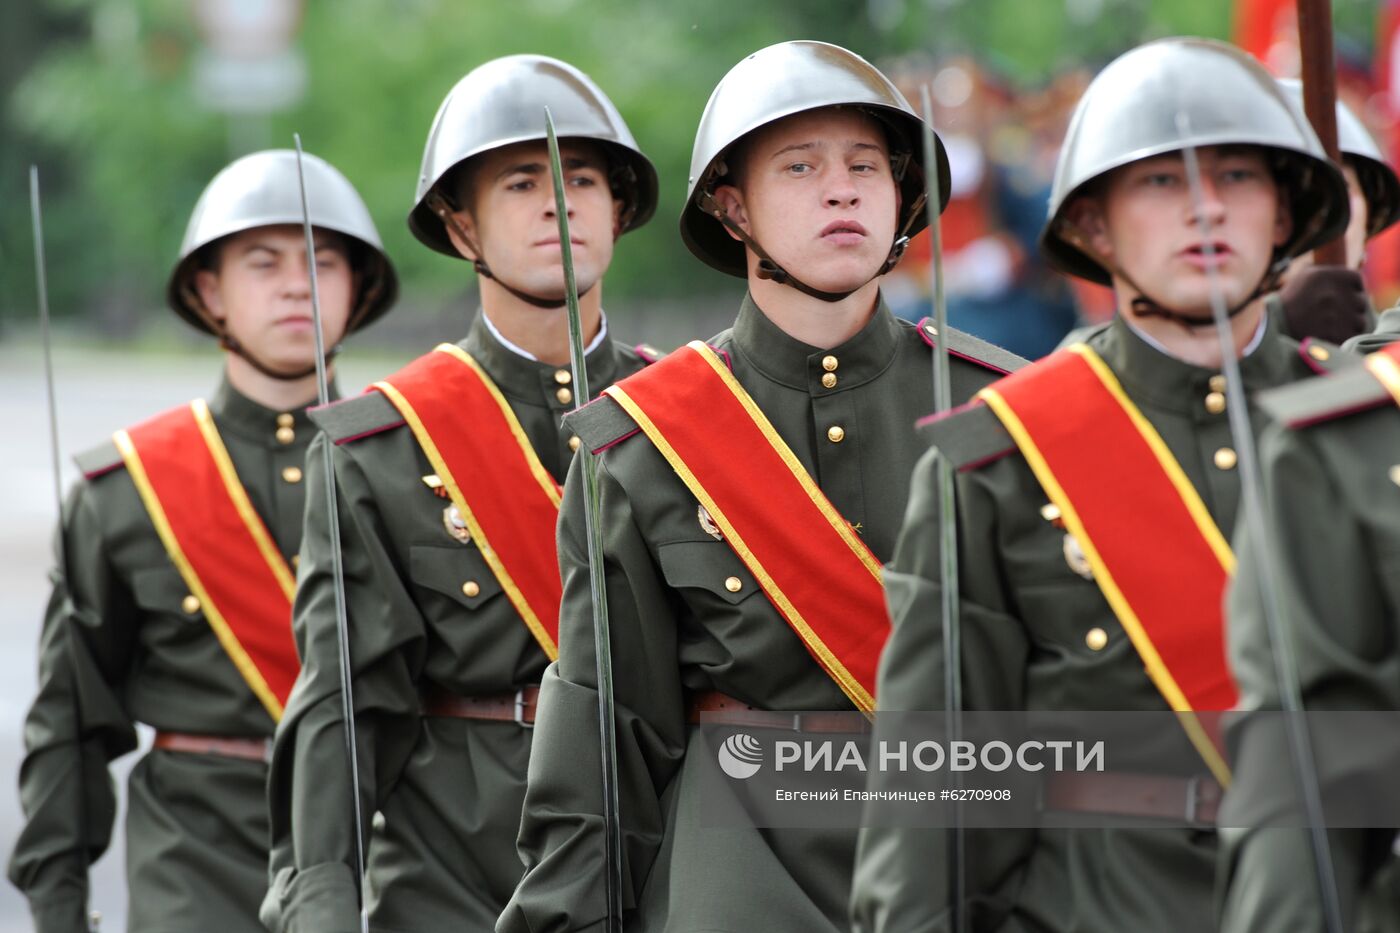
pixel 1038 636
pixel 448 791
pixel 121 646
pixel 679 625
pixel 1334 507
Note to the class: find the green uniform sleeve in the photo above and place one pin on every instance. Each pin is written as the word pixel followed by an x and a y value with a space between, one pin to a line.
pixel 1335 609
pixel 902 875
pixel 309 789
pixel 561 834
pixel 76 725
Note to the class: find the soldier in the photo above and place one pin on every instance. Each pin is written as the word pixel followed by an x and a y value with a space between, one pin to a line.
pixel 1330 302
pixel 447 474
pixel 1096 490
pixel 1330 472
pixel 173 607
pixel 793 432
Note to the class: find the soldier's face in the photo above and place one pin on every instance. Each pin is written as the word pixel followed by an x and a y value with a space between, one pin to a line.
pixel 260 289
pixel 817 192
pixel 510 215
pixel 1144 222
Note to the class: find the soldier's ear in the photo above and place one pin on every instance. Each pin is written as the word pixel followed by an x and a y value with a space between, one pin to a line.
pixel 1283 218
pixel 732 200
pixel 461 230
pixel 206 283
pixel 1086 215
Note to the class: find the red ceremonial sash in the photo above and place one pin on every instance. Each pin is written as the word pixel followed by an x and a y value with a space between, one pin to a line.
pixel 218 543
pixel 505 495
pixel 1155 551
pixel 809 562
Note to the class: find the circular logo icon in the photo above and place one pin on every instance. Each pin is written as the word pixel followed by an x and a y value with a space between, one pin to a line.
pixel 740 756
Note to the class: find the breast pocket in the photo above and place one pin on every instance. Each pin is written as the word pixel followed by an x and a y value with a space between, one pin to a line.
pixel 162 591
pixel 708 570
pixel 457 572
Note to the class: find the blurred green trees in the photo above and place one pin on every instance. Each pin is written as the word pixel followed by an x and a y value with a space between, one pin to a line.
pixel 105 104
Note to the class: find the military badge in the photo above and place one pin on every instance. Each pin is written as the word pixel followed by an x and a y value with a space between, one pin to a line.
pixel 707 523
pixel 1075 557
pixel 435 484
pixel 456 525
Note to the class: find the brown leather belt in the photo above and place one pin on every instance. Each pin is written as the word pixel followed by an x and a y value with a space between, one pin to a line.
pixel 518 707
pixel 1194 800
pixel 245 749
pixel 722 709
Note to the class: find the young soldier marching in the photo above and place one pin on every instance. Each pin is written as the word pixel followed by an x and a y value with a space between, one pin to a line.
pixel 448 478
pixel 1330 302
pixel 174 606
pixel 758 471
pixel 1096 492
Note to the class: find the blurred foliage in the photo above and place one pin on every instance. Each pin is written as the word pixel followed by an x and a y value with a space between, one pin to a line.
pixel 106 105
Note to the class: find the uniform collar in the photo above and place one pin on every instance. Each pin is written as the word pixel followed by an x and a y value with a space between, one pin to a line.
pixel 793 363
pixel 1151 374
pixel 234 411
pixel 527 379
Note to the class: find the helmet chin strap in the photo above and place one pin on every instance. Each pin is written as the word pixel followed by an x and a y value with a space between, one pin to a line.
pixel 768 267
pixel 1147 306
pixel 230 343
pixel 444 211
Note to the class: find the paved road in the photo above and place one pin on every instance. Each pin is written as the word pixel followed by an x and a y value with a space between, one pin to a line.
pixel 97 393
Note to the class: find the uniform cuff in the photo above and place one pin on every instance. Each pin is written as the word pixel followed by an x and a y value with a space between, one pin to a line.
pixel 320 899
pixel 67 915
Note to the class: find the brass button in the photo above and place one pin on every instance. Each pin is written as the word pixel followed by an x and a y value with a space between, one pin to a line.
pixel 1096 638
pixel 285 420
pixel 286 435
pixel 733 584
pixel 574 443
pixel 931 330
pixel 1225 458
pixel 836 434
pixel 292 474
pixel 564 395
pixel 1217 383
pixel 296 560
pixel 1395 474
pixel 470 588
pixel 190 604
pixel 829 363
pixel 563 377
pixel 1215 403
pixel 1050 512
pixel 829 380
pixel 1319 352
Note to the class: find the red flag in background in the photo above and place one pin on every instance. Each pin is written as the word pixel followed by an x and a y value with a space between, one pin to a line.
pixel 1383 253
pixel 1268 30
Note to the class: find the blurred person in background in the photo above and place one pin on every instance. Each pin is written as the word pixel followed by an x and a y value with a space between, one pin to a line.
pixel 172 599
pixel 448 474
pixel 997 286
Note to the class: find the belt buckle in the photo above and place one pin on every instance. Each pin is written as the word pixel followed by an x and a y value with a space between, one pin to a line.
pixel 1193 786
pixel 796 722
pixel 520 710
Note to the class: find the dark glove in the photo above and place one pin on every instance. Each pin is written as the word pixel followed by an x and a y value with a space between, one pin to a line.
pixel 1327 303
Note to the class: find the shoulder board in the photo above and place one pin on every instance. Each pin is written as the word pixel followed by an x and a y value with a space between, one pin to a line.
pixel 1323 357
pixel 104 458
pixel 973 349
pixel 1082 334
pixel 600 424
pixel 968 436
pixel 1334 396
pixel 353 418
